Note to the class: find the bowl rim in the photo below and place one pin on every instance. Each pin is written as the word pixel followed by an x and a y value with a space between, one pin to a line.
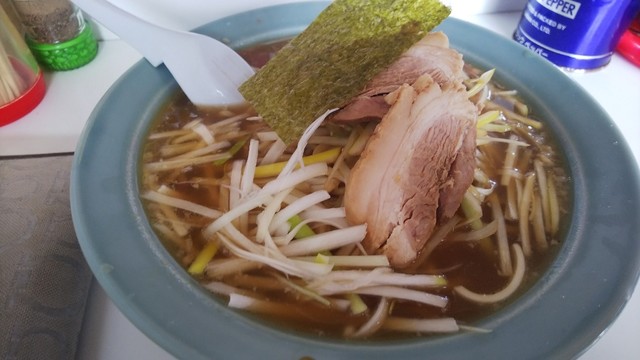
pixel 104 184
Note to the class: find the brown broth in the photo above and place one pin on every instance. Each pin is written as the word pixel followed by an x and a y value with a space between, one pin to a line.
pixel 463 263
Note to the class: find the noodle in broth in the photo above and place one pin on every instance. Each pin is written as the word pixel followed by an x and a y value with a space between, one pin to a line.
pixel 198 165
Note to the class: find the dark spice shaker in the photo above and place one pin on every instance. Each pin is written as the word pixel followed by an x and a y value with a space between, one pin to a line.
pixel 57 33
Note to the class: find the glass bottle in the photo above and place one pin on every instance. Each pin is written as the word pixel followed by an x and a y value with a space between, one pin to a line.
pixel 57 33
pixel 21 81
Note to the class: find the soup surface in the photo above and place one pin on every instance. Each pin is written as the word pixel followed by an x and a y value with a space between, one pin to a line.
pixel 192 168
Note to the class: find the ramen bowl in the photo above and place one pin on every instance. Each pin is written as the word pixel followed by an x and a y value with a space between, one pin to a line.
pixel 573 302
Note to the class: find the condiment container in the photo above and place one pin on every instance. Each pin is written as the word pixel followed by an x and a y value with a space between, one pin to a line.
pixel 22 84
pixel 57 33
pixel 575 34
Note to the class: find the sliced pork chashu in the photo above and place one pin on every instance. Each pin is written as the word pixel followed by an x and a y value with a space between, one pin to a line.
pixel 421 154
pixel 431 55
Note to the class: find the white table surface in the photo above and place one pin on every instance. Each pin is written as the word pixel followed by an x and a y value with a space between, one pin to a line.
pixel 55 125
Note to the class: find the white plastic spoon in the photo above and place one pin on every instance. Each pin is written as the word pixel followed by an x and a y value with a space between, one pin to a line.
pixel 208 71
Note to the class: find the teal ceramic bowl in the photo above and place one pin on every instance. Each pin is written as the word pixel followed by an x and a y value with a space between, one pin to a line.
pixel 582 292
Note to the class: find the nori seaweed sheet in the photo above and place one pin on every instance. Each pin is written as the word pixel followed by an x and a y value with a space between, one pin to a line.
pixel 335 57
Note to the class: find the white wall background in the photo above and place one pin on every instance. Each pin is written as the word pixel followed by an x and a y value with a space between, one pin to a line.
pixel 188 14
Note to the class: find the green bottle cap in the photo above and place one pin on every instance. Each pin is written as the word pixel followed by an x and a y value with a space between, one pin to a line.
pixel 67 55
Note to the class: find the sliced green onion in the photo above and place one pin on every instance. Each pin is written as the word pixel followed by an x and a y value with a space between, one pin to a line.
pixel 480 82
pixel 357 306
pixel 360 261
pixel 274 169
pixel 487 118
pixel 206 254
pixel 304 291
pixel 232 151
pixel 305 230
pixel 443 325
pixel 472 210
